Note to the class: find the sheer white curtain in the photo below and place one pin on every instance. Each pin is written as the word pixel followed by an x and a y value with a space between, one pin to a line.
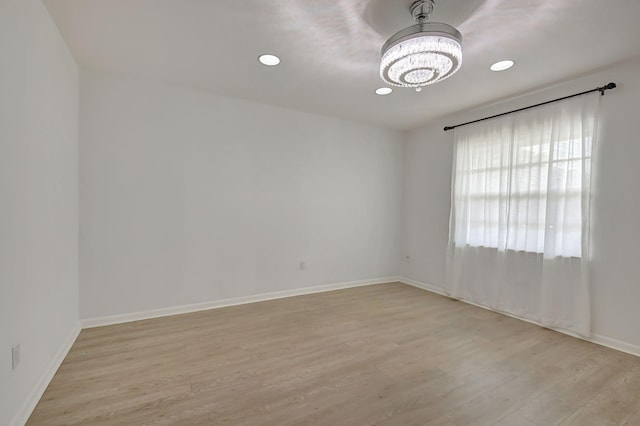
pixel 519 226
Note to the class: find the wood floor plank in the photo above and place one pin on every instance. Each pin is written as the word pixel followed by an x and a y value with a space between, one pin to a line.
pixel 386 354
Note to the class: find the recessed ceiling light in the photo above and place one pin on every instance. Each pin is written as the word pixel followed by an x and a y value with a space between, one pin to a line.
pixel 502 65
pixel 269 60
pixel 383 91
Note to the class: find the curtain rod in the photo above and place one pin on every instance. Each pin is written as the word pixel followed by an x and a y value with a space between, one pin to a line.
pixel 597 89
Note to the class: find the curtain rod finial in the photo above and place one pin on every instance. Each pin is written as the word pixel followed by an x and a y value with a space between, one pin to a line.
pixel 609 86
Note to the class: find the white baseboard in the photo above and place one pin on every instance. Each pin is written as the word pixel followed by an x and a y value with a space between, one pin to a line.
pixel 41 386
pixel 431 288
pixel 595 338
pixel 38 390
pixel 184 309
pixel 616 344
pixel 34 396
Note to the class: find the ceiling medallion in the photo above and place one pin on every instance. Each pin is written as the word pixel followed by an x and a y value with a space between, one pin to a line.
pixel 422 54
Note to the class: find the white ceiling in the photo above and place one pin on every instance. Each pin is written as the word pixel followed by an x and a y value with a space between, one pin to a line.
pixel 330 49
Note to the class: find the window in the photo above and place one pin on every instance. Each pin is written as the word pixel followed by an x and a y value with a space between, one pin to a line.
pixel 522 182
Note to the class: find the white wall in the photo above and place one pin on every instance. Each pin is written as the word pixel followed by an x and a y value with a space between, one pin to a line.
pixel 616 224
pixel 38 200
pixel 188 197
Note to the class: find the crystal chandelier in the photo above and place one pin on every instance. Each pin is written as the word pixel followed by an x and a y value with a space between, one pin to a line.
pixel 424 53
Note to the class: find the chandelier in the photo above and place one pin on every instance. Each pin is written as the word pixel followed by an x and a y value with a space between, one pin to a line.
pixel 422 54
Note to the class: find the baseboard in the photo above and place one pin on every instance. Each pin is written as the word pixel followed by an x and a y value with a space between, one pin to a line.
pixel 34 396
pixel 616 344
pixel 598 339
pixel 41 386
pixel 431 288
pixel 38 390
pixel 184 309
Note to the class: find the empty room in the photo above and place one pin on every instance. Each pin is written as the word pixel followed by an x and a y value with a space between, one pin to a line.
pixel 328 212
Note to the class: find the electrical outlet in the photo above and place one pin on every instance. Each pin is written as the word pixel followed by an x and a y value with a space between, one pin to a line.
pixel 15 357
pixel 407 258
pixel 303 265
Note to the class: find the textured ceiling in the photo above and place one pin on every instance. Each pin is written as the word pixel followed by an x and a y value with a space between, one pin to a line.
pixel 330 49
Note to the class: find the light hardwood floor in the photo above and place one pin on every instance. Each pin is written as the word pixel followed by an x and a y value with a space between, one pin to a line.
pixel 385 354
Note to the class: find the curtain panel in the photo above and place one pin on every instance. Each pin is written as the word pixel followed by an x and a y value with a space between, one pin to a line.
pixel 520 213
